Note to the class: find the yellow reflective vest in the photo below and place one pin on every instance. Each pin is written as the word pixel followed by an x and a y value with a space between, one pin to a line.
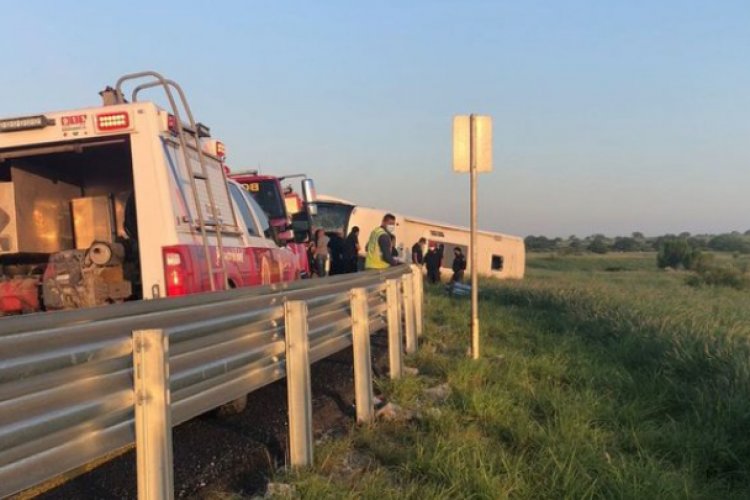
pixel 374 259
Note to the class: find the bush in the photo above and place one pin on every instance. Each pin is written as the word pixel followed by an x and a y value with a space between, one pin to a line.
pixel 598 245
pixel 731 242
pixel 714 274
pixel 626 244
pixel 676 253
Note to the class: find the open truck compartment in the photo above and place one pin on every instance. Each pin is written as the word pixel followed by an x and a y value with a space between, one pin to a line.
pixel 67 226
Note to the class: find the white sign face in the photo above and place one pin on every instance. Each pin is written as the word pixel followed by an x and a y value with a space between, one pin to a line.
pixel 471 130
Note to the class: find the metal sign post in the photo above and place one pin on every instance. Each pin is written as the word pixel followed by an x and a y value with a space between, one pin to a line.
pixel 472 152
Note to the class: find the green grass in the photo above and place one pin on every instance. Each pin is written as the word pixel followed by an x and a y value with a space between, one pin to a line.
pixel 594 382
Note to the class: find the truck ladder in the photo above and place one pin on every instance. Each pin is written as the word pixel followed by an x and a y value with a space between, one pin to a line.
pixel 167 85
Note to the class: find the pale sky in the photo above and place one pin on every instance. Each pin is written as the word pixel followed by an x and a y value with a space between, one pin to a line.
pixel 609 117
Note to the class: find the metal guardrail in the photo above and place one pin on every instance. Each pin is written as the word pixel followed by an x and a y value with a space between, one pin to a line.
pixel 67 383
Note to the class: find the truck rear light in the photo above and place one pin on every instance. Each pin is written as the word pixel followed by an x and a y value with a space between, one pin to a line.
pixel 174 274
pixel 172 259
pixel 214 148
pixel 172 124
pixel 106 122
pixel 175 282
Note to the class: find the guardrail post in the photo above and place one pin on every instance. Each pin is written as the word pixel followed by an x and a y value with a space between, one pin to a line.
pixel 153 415
pixel 409 327
pixel 299 396
pixel 362 363
pixel 395 339
pixel 418 280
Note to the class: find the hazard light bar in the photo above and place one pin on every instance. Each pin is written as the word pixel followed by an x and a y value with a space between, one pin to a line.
pixel 106 122
pixel 25 123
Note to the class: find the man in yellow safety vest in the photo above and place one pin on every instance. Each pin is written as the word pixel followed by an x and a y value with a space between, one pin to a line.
pixel 380 246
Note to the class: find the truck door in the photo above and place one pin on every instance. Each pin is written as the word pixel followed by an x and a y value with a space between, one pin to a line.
pixel 259 249
pixel 282 265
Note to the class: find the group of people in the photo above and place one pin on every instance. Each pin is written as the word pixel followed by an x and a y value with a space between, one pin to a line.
pixel 330 253
pixel 432 260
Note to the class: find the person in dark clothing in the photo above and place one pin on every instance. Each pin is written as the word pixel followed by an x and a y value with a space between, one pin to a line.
pixel 394 249
pixel 459 265
pixel 417 252
pixel 351 250
pixel 336 253
pixel 432 263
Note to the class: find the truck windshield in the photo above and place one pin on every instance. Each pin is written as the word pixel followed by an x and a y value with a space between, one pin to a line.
pixel 266 193
pixel 332 216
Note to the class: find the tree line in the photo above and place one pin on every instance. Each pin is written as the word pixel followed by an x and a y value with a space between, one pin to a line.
pixel 734 242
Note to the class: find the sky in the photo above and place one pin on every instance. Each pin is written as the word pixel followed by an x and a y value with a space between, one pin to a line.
pixel 608 116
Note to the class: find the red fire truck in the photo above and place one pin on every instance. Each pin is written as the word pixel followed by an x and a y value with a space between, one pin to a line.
pixel 282 206
pixel 125 201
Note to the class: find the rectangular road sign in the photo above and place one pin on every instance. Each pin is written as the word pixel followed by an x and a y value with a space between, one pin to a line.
pixel 472 141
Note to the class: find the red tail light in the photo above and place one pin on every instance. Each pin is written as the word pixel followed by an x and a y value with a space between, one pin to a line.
pixel 221 150
pixel 174 274
pixel 107 122
pixel 172 124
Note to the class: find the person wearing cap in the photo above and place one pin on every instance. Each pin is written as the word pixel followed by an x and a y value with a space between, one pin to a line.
pixel 380 246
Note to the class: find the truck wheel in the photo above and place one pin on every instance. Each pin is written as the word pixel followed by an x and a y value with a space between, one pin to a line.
pixel 232 408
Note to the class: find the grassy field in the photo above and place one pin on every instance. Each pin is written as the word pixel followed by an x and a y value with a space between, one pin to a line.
pixel 601 377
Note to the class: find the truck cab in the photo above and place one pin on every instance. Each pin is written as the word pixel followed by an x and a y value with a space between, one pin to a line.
pixel 281 206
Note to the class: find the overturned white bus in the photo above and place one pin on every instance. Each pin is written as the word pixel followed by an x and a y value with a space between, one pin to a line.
pixel 500 255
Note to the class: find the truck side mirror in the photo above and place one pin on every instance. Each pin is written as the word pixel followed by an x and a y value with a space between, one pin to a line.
pixel 308 191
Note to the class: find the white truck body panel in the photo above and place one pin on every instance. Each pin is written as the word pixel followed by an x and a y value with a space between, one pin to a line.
pixel 164 201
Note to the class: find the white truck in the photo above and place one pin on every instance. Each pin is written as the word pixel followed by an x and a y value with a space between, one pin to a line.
pixel 124 201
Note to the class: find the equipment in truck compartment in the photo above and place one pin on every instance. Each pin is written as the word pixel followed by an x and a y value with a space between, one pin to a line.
pixel 86 278
pixel 19 295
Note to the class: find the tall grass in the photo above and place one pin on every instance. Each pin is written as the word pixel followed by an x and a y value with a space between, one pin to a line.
pixel 594 383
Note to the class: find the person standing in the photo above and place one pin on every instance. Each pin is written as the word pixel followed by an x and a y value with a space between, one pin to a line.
pixel 379 245
pixel 336 254
pixel 417 252
pixel 320 252
pixel 351 250
pixel 459 265
pixel 432 263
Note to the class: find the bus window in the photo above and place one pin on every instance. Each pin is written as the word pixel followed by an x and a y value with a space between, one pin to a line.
pixel 332 216
pixel 497 263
